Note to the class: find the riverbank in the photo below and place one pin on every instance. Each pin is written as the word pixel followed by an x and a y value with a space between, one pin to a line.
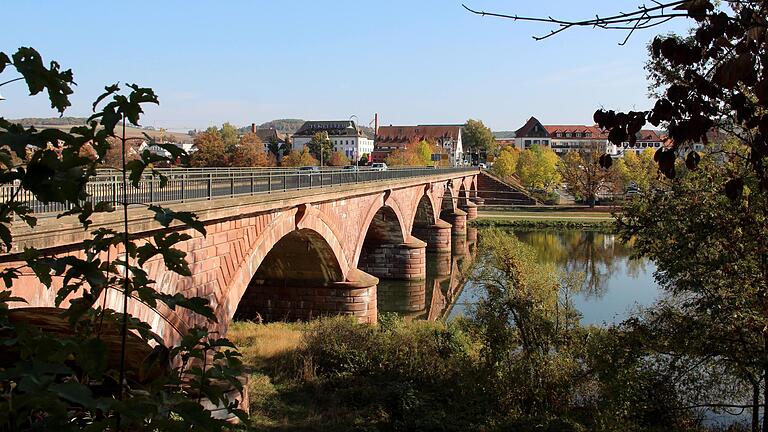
pixel 549 218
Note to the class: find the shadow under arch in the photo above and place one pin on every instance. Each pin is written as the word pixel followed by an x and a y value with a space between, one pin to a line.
pixel 448 204
pixel 300 278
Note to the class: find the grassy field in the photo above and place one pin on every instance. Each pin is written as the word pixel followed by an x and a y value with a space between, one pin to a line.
pixel 590 216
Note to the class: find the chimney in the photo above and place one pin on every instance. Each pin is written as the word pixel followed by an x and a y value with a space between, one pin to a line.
pixel 253 127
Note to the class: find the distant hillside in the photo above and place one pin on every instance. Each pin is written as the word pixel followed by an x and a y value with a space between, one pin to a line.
pixel 51 121
pixel 64 123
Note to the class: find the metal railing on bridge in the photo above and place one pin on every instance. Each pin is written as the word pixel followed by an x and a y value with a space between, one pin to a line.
pixel 195 184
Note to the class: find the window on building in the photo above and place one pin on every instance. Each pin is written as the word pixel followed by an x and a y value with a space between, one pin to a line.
pixel 536 142
pixel 567 134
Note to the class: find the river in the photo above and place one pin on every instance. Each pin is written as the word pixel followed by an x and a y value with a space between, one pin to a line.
pixel 614 284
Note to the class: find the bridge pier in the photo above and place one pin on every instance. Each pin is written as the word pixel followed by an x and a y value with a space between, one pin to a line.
pixel 437 236
pixel 405 261
pixel 471 209
pixel 457 218
pixel 294 301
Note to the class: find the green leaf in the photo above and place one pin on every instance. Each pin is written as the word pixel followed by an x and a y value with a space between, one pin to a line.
pixel 167 216
pixel 29 63
pixel 4 61
pixel 108 91
pixel 74 392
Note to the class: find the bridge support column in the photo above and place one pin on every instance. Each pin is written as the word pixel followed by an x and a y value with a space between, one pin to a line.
pixel 406 261
pixel 471 209
pixel 458 218
pixel 437 236
pixel 356 296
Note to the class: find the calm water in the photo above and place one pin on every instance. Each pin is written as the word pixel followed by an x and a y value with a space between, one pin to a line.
pixel 613 284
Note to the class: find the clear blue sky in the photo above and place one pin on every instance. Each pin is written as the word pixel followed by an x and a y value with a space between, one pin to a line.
pixel 426 61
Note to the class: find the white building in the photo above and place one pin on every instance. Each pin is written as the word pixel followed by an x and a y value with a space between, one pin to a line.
pixel 344 135
pixel 646 138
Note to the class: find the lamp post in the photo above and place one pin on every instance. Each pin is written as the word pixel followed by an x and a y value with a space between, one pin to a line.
pixel 356 140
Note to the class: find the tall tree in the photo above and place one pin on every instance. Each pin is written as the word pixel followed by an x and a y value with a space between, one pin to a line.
pixel 537 168
pixel 209 150
pixel 320 146
pixel 250 153
pixel 277 148
pixel 636 169
pixel 583 174
pixel 505 166
pixel 297 158
pixel 478 139
pixel 338 159
pixel 229 136
pixel 709 249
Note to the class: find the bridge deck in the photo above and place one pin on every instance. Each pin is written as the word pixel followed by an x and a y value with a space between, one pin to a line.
pixel 225 197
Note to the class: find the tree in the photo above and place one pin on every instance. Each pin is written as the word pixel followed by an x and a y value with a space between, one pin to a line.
pixel 633 169
pixel 320 146
pixel 710 255
pixel 77 379
pixel 277 148
pixel 478 139
pixel 505 166
pixel 297 158
pixel 114 156
pixel 229 136
pixel 364 159
pixel 210 150
pixel 250 153
pixel 537 168
pixel 419 154
pixel 715 77
pixel 583 174
pixel 338 159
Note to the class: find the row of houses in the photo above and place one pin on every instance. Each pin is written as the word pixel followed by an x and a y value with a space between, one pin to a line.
pixel 566 138
pixel 346 137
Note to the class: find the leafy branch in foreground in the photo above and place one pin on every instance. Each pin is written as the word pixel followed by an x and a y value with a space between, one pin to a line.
pixel 89 364
pixel 711 81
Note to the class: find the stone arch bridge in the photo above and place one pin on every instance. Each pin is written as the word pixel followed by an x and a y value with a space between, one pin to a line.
pixel 285 255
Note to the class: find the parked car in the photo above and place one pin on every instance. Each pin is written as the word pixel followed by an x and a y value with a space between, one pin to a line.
pixel 379 166
pixel 482 166
pixel 351 168
pixel 308 169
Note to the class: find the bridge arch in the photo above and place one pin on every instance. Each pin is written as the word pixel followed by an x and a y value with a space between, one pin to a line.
pixel 309 227
pixel 448 204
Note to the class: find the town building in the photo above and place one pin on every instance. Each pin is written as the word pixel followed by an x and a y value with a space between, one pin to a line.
pixel 532 133
pixel 568 138
pixel 504 138
pixel 646 138
pixel 447 137
pixel 345 137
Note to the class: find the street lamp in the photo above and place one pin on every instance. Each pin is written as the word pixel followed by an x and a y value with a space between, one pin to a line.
pixel 356 141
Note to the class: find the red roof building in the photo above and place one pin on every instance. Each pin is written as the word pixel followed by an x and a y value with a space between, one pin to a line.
pixel 390 138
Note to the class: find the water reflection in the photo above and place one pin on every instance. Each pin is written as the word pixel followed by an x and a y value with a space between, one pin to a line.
pixel 613 283
pixel 431 298
pixel 597 256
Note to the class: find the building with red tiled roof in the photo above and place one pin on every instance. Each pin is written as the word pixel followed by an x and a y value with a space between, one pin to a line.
pixel 390 138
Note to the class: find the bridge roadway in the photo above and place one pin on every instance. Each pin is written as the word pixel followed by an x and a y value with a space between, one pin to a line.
pixel 285 253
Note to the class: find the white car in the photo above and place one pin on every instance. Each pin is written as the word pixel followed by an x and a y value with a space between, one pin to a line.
pixel 379 166
pixel 482 166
